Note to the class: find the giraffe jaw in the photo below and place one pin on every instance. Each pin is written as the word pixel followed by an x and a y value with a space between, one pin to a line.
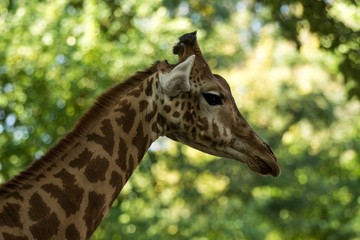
pixel 261 165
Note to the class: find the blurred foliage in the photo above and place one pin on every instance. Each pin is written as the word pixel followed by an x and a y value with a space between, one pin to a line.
pixel 286 62
pixel 336 23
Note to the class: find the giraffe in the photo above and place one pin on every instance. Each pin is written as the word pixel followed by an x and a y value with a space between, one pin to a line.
pixel 66 193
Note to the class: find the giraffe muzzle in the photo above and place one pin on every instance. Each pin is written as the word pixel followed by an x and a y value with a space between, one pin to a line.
pixel 264 165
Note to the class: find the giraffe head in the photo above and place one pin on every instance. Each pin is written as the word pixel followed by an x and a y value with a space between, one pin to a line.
pixel 200 111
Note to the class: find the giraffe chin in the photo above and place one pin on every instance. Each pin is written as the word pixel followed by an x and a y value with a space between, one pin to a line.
pixel 259 165
pixel 255 163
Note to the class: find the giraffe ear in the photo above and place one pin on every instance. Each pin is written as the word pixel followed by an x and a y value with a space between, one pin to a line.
pixel 178 79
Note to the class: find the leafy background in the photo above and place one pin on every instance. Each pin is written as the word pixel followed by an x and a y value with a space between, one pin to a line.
pixel 294 69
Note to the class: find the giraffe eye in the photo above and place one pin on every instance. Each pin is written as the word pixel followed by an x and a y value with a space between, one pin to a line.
pixel 212 99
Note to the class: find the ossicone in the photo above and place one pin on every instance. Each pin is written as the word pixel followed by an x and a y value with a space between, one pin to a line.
pixel 188 39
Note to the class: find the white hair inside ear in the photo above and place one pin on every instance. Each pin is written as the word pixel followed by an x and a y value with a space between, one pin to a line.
pixel 178 79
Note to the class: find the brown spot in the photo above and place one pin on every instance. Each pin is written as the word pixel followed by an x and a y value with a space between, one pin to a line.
pixel 198 107
pixel 176 114
pixel 188 117
pixel 10 215
pixel 174 126
pixel 69 196
pixel 148 89
pixel 40 177
pixel 140 141
pixel 121 160
pixel 194 133
pixel 95 170
pixel 46 227
pixel 72 232
pixel 167 108
pixel 190 104
pixel 202 124
pixel 130 169
pixel 151 114
pixel 142 105
pixel 137 91
pixel 182 106
pixel 117 183
pixel 82 159
pixel 107 140
pixel 161 120
pixel 38 208
pixel 154 127
pixel 8 236
pixel 216 132
pixel 94 212
pixel 16 196
pixel 128 116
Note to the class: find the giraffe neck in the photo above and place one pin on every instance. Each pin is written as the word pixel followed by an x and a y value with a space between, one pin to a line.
pixel 69 198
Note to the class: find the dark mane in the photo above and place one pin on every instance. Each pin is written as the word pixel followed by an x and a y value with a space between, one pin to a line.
pixel 103 103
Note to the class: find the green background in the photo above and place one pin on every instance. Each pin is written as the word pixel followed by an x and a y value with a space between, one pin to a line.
pixel 294 70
